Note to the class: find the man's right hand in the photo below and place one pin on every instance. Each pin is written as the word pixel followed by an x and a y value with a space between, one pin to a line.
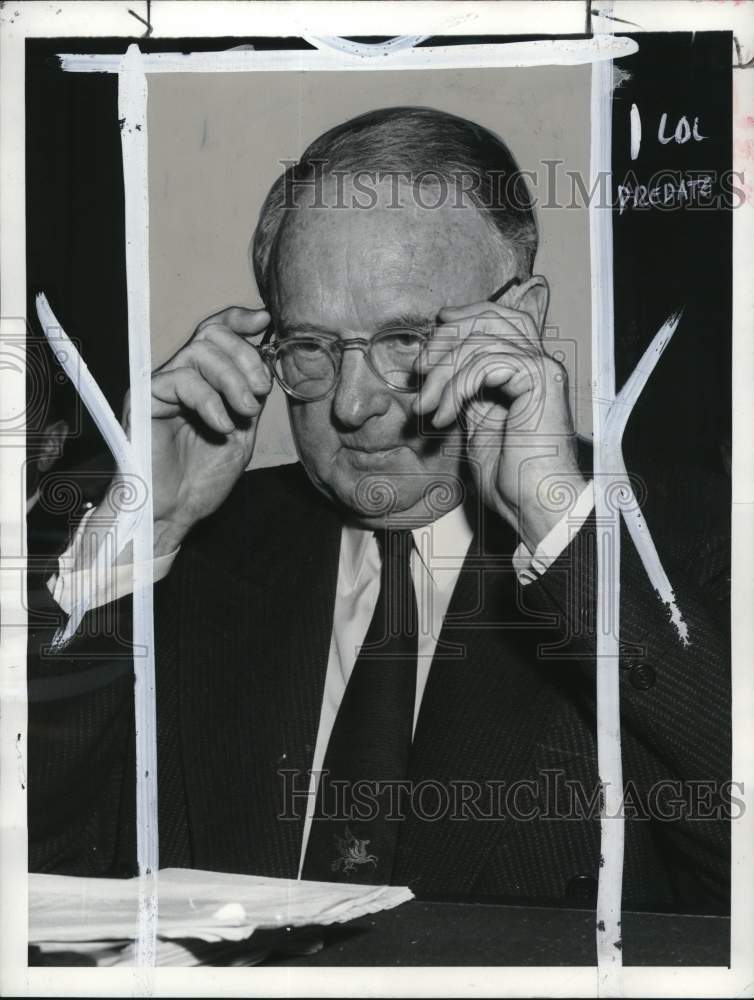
pixel 206 402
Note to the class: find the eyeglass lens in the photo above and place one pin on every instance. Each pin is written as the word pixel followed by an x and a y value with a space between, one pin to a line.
pixel 308 365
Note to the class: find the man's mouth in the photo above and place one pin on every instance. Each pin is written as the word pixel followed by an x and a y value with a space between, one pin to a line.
pixel 372 449
pixel 371 454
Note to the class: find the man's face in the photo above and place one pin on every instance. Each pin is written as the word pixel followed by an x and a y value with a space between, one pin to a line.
pixel 353 272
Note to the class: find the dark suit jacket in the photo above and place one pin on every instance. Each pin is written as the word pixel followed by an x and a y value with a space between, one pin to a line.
pixel 243 630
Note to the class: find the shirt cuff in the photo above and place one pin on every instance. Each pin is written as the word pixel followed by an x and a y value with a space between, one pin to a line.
pixel 76 576
pixel 529 566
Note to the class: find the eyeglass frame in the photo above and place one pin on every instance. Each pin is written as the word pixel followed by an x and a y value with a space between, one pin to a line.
pixel 268 351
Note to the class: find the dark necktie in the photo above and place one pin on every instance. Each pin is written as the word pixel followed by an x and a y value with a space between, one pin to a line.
pixel 352 837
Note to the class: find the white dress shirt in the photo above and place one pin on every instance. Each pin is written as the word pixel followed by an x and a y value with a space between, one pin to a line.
pixel 438 555
pixel 436 561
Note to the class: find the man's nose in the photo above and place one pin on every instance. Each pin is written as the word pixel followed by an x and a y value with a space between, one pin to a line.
pixel 360 394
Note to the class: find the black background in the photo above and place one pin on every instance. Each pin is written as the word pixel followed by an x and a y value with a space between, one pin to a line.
pixel 666 260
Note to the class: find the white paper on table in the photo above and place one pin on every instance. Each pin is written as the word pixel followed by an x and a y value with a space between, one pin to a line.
pixel 208 906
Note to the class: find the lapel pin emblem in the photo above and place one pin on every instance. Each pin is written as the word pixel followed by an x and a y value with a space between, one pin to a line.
pixel 353 852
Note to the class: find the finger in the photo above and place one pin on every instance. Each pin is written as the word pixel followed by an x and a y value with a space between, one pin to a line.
pixel 224 375
pixel 243 354
pixel 484 370
pixel 517 318
pixel 240 320
pixel 439 359
pixel 185 387
pixel 448 363
pixel 438 365
pixel 477 329
pixel 523 378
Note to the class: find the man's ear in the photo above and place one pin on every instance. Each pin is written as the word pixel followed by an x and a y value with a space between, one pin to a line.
pixel 53 441
pixel 533 297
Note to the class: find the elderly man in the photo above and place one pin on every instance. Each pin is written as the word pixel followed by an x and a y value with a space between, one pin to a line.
pixel 378 665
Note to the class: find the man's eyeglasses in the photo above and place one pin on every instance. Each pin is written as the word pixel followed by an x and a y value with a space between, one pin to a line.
pixel 308 365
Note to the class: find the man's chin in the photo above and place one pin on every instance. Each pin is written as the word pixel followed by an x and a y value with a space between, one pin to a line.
pixel 382 488
pixel 381 498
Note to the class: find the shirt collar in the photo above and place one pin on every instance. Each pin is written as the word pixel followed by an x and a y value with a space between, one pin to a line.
pixel 441 544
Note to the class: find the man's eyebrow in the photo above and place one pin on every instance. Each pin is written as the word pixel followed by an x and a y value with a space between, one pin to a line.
pixel 414 321
pixel 303 327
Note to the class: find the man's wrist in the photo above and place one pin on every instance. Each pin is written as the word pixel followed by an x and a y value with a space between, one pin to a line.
pixel 537 521
pixel 530 565
pixel 168 534
pixel 167 537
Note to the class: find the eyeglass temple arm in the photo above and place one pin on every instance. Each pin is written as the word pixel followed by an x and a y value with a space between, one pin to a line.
pixel 266 338
pixel 503 289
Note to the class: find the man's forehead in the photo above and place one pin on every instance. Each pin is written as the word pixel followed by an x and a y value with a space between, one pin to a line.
pixel 389 258
pixel 406 203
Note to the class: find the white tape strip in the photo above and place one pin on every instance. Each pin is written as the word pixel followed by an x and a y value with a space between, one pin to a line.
pixel 112 543
pixel 609 941
pixel 555 52
pixel 91 395
pixel 363 49
pixel 615 424
pixel 132 114
pixel 614 499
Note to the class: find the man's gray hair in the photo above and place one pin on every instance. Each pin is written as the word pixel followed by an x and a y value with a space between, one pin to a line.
pixel 419 143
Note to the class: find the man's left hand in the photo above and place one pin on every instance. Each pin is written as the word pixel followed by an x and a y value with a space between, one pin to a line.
pixel 486 365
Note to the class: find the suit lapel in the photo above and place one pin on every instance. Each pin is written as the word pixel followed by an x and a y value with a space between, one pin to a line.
pixel 254 646
pixel 481 713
